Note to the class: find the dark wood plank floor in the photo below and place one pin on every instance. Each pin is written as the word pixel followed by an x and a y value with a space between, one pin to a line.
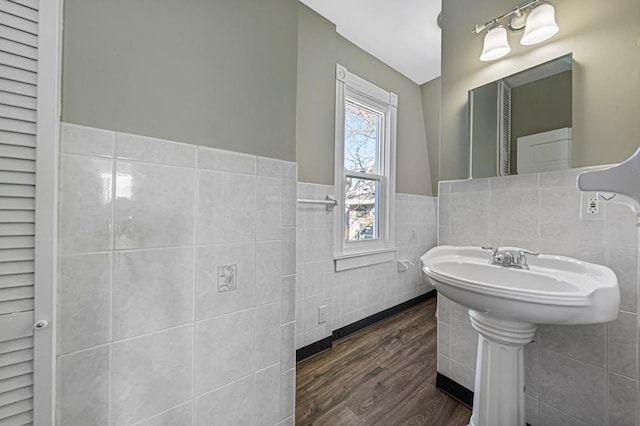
pixel 381 375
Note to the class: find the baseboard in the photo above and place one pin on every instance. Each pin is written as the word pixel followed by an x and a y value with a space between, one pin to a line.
pixel 314 348
pixel 326 343
pixel 365 322
pixel 454 390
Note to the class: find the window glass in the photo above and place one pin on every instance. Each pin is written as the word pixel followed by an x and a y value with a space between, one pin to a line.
pixel 361 138
pixel 361 206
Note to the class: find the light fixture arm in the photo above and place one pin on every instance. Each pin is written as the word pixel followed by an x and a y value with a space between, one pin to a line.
pixel 479 28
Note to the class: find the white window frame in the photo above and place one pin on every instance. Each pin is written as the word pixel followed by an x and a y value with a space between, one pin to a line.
pixel 355 254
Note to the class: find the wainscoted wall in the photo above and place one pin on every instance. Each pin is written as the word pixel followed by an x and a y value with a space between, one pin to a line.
pixel 575 375
pixel 176 283
pixel 357 293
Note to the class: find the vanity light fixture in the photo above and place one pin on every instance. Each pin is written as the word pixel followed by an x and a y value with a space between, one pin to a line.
pixel 541 25
pixel 536 17
pixel 496 44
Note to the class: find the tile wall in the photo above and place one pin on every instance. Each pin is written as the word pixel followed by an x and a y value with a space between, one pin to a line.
pixel 176 283
pixel 575 375
pixel 357 293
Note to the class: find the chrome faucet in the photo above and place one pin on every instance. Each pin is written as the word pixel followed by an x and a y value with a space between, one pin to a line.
pixel 509 258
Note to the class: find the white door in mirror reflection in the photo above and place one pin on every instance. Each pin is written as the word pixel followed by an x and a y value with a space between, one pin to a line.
pixel 545 152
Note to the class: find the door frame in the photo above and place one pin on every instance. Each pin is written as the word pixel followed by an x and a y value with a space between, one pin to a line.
pixel 46 232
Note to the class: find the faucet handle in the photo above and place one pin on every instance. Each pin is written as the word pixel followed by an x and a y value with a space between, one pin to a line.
pixel 494 253
pixel 532 253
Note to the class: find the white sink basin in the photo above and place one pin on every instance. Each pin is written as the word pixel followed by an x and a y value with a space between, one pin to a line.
pixel 555 290
pixel 505 307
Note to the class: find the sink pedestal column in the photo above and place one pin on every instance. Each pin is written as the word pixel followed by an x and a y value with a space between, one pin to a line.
pixel 499 388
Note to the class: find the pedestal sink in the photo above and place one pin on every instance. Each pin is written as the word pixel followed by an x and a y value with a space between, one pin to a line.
pixel 505 306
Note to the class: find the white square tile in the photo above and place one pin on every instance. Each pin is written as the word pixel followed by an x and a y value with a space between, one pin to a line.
pixel 444 365
pixel 290 170
pixel 266 396
pixel 268 272
pixel 469 185
pixel 550 416
pixel 152 290
pixel 151 374
pixel 226 207
pixel 230 405
pixel 266 346
pixel 518 221
pixel 287 393
pixel 155 205
pixel 181 415
pixel 531 410
pixel 288 253
pixel 288 298
pixel 269 167
pixel 83 388
pixel 291 421
pixel 224 349
pixel 565 178
pixel 444 331
pixel 575 387
pixel 464 343
pixel 225 279
pixel 583 342
pixel 226 161
pixel 622 343
pixel 84 301
pixel 559 220
pixel 313 278
pixel 85 204
pixel 462 374
pixel 575 249
pixel 623 401
pixel 142 148
pixel 620 225
pixel 268 208
pixel 289 203
pixel 515 182
pixel 287 343
pixel 75 139
pixel 469 218
pixel 624 262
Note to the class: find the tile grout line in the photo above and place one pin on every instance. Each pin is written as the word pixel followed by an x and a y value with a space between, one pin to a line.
pixel 112 270
pixel 195 300
pixel 606 328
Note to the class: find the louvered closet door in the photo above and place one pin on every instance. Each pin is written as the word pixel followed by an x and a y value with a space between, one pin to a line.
pixel 18 90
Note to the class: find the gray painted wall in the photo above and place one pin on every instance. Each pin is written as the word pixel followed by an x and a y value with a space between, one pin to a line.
pixel 315 110
pixel 606 92
pixel 431 109
pixel 218 73
pixel 316 97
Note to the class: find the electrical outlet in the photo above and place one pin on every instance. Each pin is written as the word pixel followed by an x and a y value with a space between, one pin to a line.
pixel 322 314
pixel 590 206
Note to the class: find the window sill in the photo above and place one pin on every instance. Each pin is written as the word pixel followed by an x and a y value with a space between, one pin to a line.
pixel 368 258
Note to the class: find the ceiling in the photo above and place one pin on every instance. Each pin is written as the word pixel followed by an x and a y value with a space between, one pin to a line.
pixel 401 33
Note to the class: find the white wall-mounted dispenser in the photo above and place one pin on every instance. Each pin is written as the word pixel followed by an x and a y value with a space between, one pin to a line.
pixel 623 180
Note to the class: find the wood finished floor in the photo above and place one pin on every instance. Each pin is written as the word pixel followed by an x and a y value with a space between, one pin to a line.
pixel 381 375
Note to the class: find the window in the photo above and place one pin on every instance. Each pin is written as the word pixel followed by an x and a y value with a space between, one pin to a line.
pixel 364 171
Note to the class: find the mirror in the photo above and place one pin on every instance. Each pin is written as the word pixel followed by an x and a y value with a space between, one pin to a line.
pixel 522 123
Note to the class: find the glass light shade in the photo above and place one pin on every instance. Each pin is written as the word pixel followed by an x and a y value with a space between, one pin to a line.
pixel 496 44
pixel 541 25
